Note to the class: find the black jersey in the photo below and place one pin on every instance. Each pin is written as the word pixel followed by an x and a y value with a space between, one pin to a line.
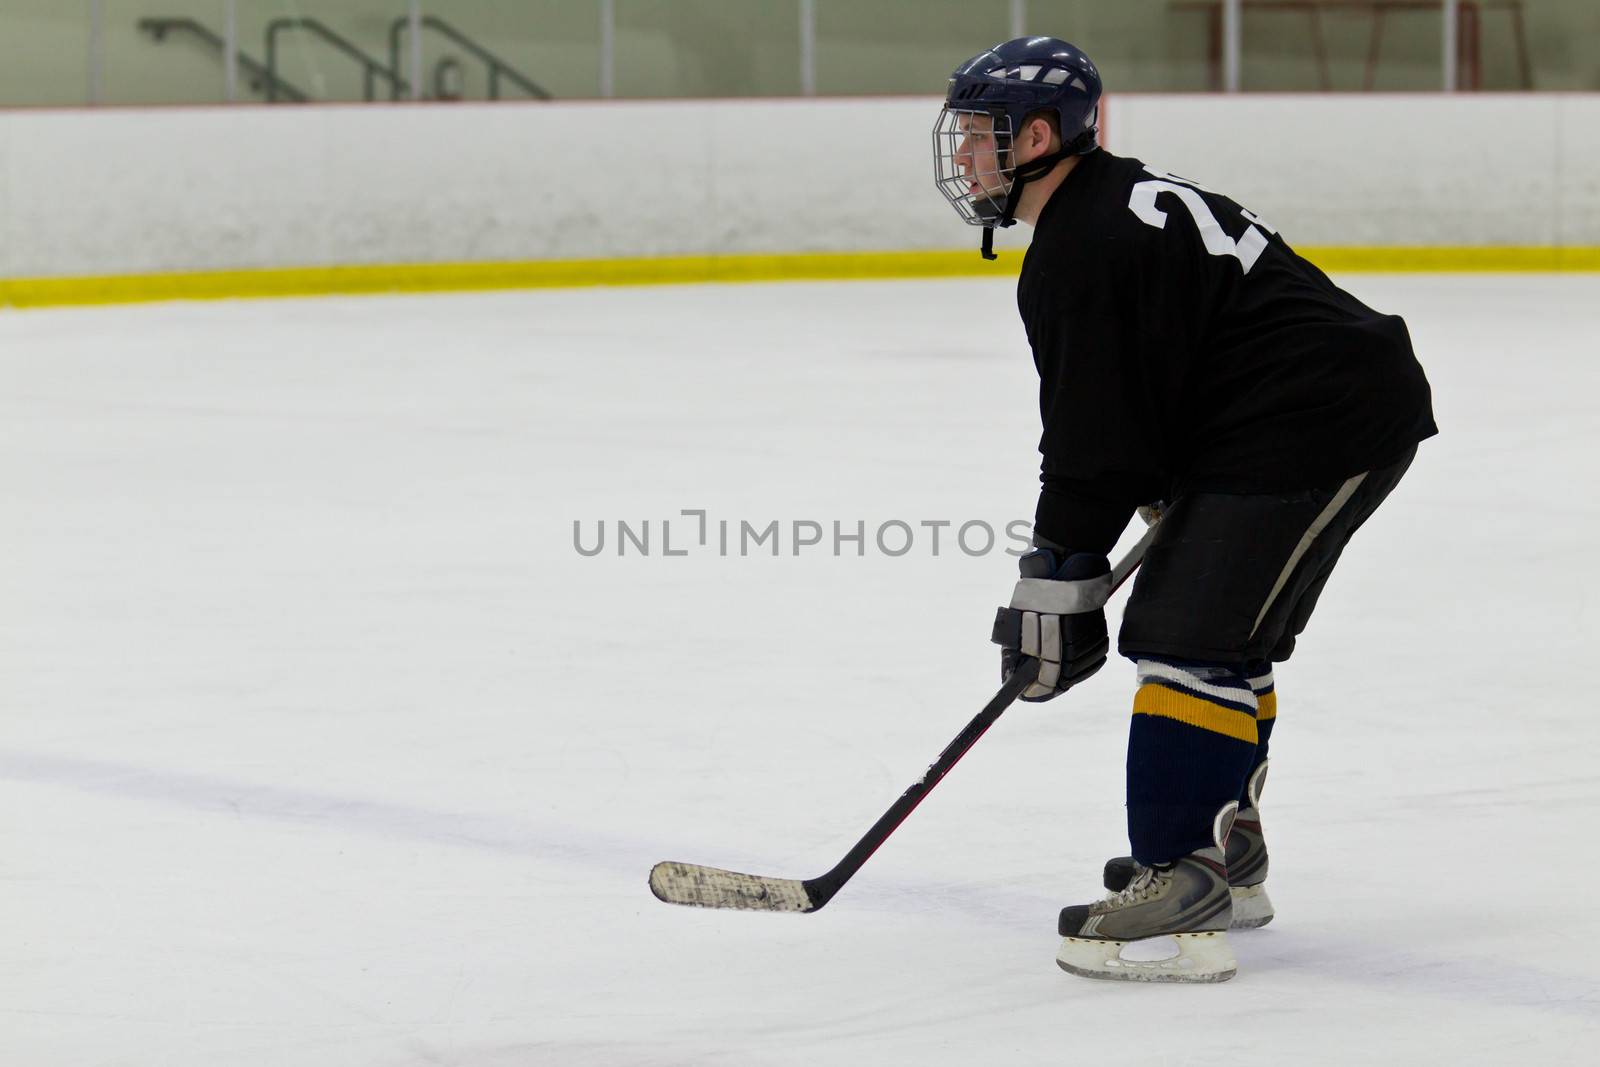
pixel 1183 346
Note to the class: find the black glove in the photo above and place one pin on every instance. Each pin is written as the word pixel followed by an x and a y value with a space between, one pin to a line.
pixel 1057 615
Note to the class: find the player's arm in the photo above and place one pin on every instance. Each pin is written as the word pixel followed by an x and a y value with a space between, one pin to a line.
pixel 1087 514
pixel 1102 336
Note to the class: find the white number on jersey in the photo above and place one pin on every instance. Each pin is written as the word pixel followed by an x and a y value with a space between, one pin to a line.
pixel 1246 249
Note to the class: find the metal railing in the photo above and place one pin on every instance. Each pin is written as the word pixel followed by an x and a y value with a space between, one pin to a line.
pixel 261 79
pixel 497 66
pixel 371 68
pixel 1462 20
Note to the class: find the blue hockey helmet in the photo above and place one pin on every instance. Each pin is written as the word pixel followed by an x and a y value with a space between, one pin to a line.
pixel 990 97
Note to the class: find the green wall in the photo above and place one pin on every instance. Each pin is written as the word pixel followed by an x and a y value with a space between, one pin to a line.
pixel 693 48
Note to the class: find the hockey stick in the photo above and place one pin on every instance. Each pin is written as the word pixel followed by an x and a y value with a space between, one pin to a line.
pixel 711 887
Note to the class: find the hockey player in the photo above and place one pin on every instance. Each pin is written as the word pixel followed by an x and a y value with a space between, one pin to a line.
pixel 1185 354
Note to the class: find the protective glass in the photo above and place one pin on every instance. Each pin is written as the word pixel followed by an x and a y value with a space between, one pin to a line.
pixel 972 163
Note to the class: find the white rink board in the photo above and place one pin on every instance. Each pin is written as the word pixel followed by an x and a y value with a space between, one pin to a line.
pixel 181 189
pixel 1385 170
pixel 324 747
pixel 129 191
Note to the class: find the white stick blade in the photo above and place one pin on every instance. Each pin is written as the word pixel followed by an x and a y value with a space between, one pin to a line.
pixel 712 887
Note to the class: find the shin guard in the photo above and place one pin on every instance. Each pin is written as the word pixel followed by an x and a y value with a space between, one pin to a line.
pixel 1190 747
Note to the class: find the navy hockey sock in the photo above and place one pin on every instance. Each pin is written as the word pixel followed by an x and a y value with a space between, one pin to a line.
pixel 1261 684
pixel 1192 742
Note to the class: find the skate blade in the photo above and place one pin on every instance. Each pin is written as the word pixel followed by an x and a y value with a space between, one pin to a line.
pixel 1198 957
pixel 1252 908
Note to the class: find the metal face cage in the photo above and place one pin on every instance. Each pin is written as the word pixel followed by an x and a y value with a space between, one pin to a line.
pixel 972 162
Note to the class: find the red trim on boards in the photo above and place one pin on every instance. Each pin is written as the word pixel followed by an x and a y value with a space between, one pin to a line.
pixel 933 98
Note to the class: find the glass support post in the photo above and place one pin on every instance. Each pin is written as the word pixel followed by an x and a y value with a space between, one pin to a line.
pixel 414 53
pixel 1019 18
pixel 1450 16
pixel 1232 37
pixel 808 47
pixel 97 51
pixel 608 48
pixel 230 50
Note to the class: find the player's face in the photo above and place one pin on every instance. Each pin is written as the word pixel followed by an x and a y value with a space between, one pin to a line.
pixel 977 155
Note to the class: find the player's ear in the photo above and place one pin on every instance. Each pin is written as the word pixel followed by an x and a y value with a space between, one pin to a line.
pixel 1040 134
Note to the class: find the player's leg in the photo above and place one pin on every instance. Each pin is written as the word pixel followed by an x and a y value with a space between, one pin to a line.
pixel 1213 563
pixel 1265 688
pixel 1228 582
pixel 1246 847
pixel 1190 745
pixel 1277 628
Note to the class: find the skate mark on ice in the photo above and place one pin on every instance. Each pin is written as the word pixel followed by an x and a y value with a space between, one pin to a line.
pixel 626 858
pixel 304 807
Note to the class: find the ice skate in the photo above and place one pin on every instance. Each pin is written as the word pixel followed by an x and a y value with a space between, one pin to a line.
pixel 1168 924
pixel 1246 857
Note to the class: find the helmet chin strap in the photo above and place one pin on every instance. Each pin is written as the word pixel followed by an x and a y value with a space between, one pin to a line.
pixel 1030 171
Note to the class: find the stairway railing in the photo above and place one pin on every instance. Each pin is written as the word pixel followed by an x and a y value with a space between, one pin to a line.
pixel 371 68
pixel 497 67
pixel 262 80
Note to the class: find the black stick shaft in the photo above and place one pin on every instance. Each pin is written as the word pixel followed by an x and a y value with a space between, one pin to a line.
pixel 823 887
pixel 1019 679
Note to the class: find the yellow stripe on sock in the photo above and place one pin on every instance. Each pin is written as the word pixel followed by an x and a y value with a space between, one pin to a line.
pixel 1267 706
pixel 1194 711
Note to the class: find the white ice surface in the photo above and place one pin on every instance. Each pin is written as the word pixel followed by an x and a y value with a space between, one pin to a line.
pixel 322 745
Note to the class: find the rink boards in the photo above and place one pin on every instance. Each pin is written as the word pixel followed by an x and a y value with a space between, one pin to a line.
pixel 118 205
